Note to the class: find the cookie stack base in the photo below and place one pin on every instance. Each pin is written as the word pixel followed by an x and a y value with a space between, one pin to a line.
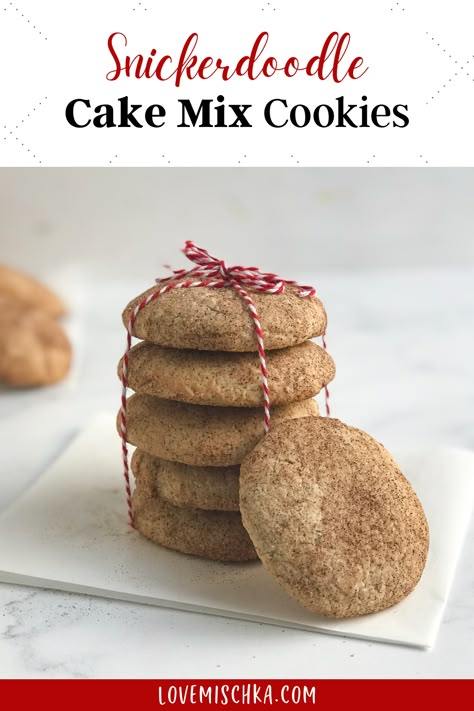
pixel 216 535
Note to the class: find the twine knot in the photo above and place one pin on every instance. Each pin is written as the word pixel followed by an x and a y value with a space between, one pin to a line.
pixel 223 270
pixel 212 268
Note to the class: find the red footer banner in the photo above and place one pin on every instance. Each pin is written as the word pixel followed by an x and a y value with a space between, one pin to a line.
pixel 194 693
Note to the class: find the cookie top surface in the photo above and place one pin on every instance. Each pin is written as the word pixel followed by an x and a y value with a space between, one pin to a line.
pixel 218 535
pixel 333 518
pixel 183 485
pixel 34 350
pixel 199 435
pixel 206 318
pixel 29 291
pixel 228 379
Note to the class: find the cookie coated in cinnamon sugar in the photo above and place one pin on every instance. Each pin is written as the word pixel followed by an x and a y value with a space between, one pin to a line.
pixel 216 535
pixel 205 318
pixel 332 517
pixel 28 291
pixel 228 379
pixel 201 435
pixel 185 486
pixel 34 350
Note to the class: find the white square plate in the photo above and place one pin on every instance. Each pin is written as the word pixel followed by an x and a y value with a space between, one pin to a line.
pixel 69 532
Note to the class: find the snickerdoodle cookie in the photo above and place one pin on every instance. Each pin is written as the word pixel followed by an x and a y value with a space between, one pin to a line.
pixel 29 291
pixel 204 318
pixel 201 435
pixel 218 535
pixel 333 518
pixel 228 379
pixel 34 349
pixel 211 488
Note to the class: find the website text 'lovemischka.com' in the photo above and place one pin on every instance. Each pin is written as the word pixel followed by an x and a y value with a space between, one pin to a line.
pixel 236 693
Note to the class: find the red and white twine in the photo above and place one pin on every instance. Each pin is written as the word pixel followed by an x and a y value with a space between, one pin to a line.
pixel 212 273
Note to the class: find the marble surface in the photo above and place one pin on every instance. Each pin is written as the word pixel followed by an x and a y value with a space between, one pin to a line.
pixel 403 343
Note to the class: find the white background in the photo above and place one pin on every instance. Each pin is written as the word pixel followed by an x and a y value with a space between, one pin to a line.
pixel 127 223
pixel 418 53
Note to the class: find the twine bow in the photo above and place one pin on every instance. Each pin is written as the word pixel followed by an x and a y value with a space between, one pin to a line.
pixel 212 273
pixel 212 268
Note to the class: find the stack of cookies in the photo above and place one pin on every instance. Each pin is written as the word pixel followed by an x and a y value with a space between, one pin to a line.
pixel 197 409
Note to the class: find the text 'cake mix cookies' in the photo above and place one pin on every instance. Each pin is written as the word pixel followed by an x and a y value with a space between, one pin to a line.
pixel 202 386
pixel 332 517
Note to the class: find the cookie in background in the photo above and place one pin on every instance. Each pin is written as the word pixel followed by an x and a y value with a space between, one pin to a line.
pixel 34 349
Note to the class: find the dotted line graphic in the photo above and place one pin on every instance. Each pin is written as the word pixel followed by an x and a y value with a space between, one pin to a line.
pixel 461 68
pixel 18 126
pixel 444 50
pixel 13 8
pixel 373 156
pixel 114 158
pixel 22 145
pixel 242 159
pixel 139 7
pixel 459 65
pixel 269 6
pixel 439 91
pixel 292 156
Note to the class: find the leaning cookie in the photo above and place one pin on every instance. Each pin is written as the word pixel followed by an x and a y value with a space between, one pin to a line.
pixel 217 535
pixel 210 319
pixel 332 517
pixel 34 349
pixel 200 435
pixel 210 488
pixel 29 291
pixel 228 379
